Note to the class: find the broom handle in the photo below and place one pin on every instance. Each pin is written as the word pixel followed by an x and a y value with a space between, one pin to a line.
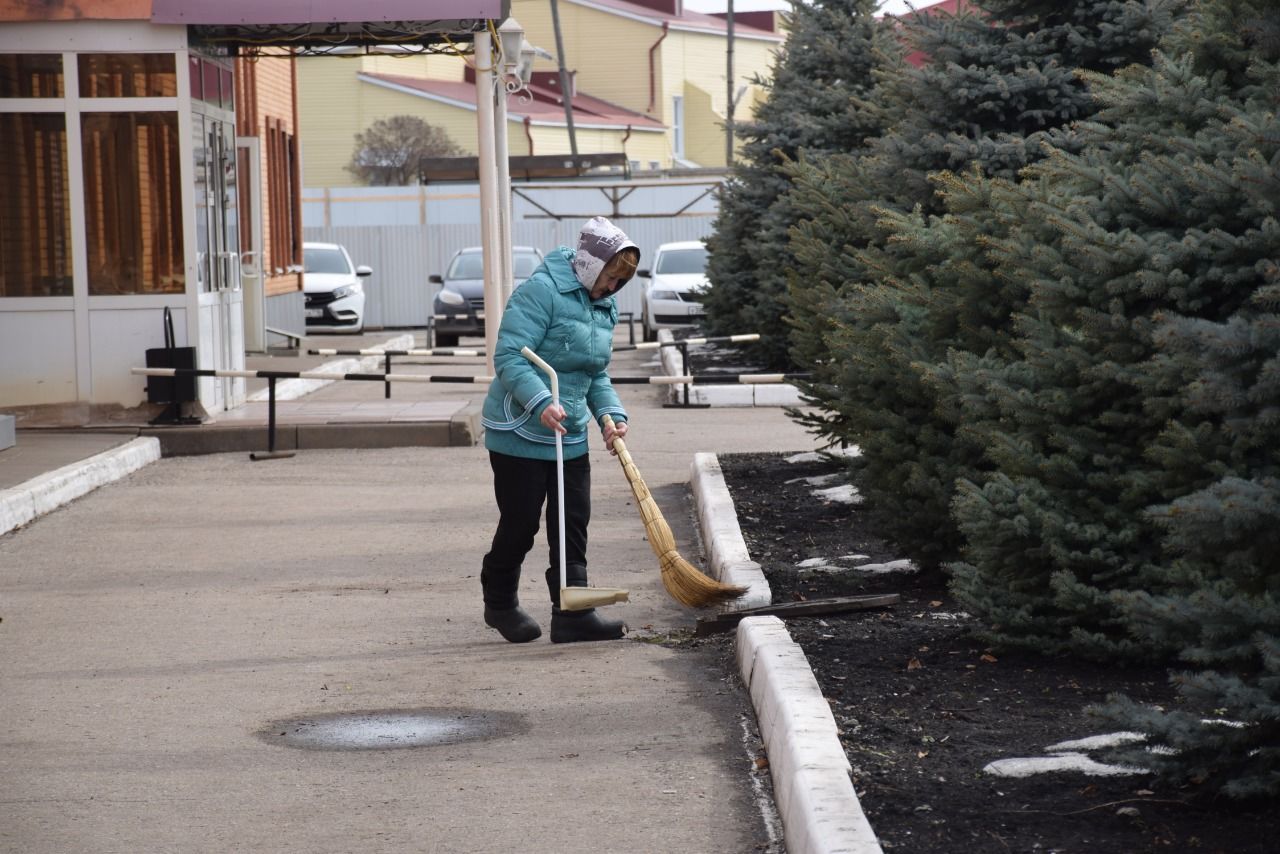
pixel 555 401
pixel 618 444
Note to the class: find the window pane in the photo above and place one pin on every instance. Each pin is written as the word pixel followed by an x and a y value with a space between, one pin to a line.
pixel 197 78
pixel 133 205
pixel 30 75
pixel 467 266
pixel 128 75
pixel 209 73
pixel 525 264
pixel 227 86
pixel 321 260
pixel 35 218
pixel 679 261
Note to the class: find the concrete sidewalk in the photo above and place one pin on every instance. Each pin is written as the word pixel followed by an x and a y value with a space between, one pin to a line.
pixel 164 631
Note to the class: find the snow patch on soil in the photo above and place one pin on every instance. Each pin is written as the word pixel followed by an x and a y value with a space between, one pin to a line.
pixel 819 456
pixel 845 494
pixel 1076 762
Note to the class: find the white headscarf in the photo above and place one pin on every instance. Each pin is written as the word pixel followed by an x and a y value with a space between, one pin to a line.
pixel 598 242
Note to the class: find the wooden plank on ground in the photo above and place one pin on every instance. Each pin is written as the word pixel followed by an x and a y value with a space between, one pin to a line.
pixel 727 620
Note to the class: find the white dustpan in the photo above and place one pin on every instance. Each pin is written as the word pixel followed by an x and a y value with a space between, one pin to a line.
pixel 571 598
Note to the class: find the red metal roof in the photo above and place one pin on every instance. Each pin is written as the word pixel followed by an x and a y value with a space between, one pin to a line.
pixel 660 10
pixel 231 12
pixel 544 104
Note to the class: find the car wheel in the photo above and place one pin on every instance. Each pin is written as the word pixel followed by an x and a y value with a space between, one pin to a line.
pixel 649 334
pixel 445 340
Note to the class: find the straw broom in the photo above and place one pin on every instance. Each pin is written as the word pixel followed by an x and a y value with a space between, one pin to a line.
pixel 684 581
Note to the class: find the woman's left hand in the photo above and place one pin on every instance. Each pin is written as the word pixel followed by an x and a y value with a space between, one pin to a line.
pixel 617 429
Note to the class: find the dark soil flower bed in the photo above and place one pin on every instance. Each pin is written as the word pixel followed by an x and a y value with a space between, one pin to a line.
pixel 923 707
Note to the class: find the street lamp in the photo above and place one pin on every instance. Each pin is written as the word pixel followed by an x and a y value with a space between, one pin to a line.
pixel 517 54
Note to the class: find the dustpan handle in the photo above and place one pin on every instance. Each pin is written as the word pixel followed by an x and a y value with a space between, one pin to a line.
pixel 555 401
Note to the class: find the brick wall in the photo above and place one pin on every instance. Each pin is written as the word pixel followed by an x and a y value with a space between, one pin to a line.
pixel 267 112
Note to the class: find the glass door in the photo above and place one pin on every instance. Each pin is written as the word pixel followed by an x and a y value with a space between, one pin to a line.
pixel 218 249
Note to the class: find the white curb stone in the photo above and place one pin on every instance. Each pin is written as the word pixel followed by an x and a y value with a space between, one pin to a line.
pixel 726 550
pixel 296 387
pixel 811 774
pixel 23 503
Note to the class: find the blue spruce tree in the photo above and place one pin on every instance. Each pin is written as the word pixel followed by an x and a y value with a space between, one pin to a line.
pixel 815 105
pixel 1161 229
pixel 895 266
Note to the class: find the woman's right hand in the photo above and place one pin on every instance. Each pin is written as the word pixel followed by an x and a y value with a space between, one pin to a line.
pixel 551 418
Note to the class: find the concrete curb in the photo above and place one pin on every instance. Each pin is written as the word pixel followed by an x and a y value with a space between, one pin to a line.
pixel 811 774
pixel 23 503
pixel 461 429
pixel 292 389
pixel 726 551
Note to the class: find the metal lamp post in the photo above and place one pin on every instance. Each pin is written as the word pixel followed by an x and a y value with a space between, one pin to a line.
pixel 494 82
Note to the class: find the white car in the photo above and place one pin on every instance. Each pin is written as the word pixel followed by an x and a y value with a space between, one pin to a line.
pixel 333 288
pixel 672 297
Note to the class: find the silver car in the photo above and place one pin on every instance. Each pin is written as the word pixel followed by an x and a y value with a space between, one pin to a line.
pixel 459 307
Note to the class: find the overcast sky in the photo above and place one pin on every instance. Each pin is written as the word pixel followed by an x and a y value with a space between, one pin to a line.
pixel 892 7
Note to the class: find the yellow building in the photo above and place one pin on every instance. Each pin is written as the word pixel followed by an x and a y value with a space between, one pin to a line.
pixel 658 58
pixel 649 81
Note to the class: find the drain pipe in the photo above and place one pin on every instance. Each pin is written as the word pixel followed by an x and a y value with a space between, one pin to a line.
pixel 528 133
pixel 653 84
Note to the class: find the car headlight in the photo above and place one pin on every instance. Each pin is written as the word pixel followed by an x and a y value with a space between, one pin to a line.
pixel 449 297
pixel 347 291
pixel 656 294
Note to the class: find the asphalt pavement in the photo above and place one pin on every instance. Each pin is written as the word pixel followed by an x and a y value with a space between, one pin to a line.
pixel 217 654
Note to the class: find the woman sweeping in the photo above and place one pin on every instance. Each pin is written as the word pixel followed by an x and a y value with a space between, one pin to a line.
pixel 565 312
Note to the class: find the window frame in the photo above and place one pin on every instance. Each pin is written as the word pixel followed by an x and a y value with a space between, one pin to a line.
pixel 73 107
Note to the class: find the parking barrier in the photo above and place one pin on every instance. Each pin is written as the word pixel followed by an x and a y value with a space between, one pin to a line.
pixel 388 378
pixel 447 351
pixel 628 316
pixel 466 352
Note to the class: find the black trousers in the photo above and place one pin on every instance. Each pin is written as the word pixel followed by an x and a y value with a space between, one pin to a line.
pixel 522 487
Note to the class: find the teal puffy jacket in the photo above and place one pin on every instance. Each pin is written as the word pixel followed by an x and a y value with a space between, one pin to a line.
pixel 552 314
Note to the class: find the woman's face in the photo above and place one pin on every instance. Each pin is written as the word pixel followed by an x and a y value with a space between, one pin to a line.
pixel 615 274
pixel 606 284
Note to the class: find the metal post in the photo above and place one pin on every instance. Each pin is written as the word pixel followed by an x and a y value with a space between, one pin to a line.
pixel 565 89
pixel 685 370
pixel 272 453
pixel 489 204
pixel 386 392
pixel 728 106
pixel 502 154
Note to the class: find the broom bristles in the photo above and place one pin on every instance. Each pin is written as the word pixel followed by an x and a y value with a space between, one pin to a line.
pixel 687 584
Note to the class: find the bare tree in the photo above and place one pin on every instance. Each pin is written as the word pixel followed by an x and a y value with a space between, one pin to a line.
pixel 388 151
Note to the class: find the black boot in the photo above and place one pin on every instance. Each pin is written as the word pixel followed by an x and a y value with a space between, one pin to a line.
pixel 585 625
pixel 502 609
pixel 514 624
